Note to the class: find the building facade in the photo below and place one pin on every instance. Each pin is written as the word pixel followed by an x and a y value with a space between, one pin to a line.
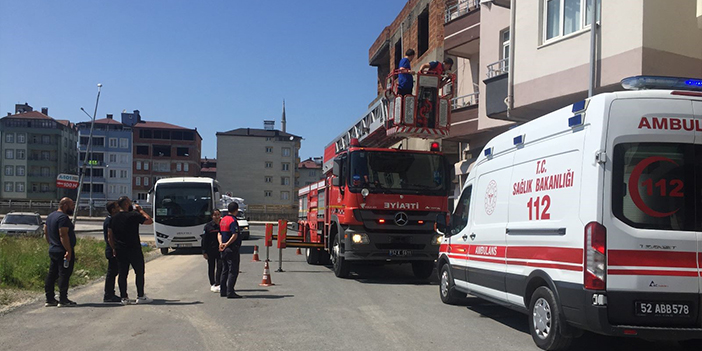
pixel 310 171
pixel 109 169
pixel 259 165
pixel 208 168
pixel 161 150
pixel 35 150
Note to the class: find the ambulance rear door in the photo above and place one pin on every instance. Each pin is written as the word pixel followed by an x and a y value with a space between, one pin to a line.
pixel 697 109
pixel 651 211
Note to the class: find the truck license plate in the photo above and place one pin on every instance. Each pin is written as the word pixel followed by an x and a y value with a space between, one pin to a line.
pixel 400 253
pixel 663 309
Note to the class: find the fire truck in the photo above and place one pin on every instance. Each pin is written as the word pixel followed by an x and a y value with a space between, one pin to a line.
pixel 378 202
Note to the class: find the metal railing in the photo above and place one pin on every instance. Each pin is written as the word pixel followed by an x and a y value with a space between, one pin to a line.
pixel 497 68
pixel 455 9
pixel 465 100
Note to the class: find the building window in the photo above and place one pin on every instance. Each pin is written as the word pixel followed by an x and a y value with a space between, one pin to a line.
pixel 113 142
pixel 113 173
pixel 141 196
pixel 138 165
pixel 46 155
pixel 113 158
pixel 286 166
pixel 178 167
pixel 185 167
pixel 112 189
pixel 286 152
pixel 162 166
pixel 123 174
pixel 504 38
pixel 9 170
pixel 183 151
pixel 138 181
pixel 312 173
pixel 98 188
pixel 10 137
pixel 122 189
pixel 44 187
pixel 266 193
pixel 269 164
pixel 124 159
pixel 9 187
pixel 124 143
pixel 20 170
pixel 142 150
pixel 284 195
pixel 20 154
pixel 21 138
pixel 146 166
pixel 563 17
pixel 423 32
pixel 285 181
pixel 46 139
pixel 162 150
pixel 146 181
pixel 10 154
pixel 19 187
pixel 45 171
pixel 268 179
pixel 269 149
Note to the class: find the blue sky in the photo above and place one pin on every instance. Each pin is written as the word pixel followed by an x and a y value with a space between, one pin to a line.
pixel 210 65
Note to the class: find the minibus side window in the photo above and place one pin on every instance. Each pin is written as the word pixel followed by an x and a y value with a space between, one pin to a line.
pixel 653 185
pixel 459 220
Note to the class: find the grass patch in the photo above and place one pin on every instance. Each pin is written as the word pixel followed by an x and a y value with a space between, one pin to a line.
pixel 24 263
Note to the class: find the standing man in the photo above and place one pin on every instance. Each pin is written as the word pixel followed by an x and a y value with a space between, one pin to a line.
pixel 405 81
pixel 229 244
pixel 126 246
pixel 210 250
pixel 437 67
pixel 112 264
pixel 59 233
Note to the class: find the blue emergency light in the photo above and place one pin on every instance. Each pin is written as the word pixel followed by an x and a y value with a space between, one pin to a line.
pixel 487 152
pixel 659 82
pixel 579 106
pixel 518 140
pixel 575 120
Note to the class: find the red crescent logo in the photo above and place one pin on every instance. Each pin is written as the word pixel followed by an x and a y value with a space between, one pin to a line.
pixel 634 179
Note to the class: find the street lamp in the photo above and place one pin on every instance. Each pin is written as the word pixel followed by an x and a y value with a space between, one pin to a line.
pixel 85 160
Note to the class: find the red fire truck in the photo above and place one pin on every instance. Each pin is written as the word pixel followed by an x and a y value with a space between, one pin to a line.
pixel 378 203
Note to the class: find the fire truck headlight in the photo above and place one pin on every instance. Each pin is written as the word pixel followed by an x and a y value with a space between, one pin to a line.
pixel 360 239
pixel 365 192
pixel 437 239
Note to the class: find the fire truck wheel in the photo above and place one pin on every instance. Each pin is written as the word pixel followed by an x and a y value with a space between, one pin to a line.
pixel 422 269
pixel 164 251
pixel 312 255
pixel 324 257
pixel 341 267
pixel 447 291
pixel 692 344
pixel 545 321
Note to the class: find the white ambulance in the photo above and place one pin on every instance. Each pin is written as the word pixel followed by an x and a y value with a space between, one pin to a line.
pixel 589 218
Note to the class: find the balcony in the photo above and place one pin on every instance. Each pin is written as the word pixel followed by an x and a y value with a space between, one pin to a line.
pixel 496 89
pixel 462 28
pixel 464 116
pixel 465 101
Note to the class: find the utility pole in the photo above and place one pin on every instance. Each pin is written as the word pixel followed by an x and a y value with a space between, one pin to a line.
pixel 87 154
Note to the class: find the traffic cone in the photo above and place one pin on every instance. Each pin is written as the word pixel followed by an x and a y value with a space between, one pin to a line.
pixel 266 281
pixel 255 254
pixel 298 252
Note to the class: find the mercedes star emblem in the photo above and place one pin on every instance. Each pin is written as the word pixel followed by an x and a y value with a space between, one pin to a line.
pixel 401 219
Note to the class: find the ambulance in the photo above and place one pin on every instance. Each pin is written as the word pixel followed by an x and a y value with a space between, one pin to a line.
pixel 589 218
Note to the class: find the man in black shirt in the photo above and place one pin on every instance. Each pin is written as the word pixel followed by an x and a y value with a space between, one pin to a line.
pixel 126 246
pixel 60 234
pixel 112 264
pixel 210 250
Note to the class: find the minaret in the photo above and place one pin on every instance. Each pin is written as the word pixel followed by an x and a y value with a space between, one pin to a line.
pixel 282 122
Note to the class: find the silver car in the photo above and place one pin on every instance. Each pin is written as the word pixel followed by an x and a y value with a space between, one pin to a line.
pixel 22 223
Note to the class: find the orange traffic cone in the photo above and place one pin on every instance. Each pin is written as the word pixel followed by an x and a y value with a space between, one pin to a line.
pixel 266 281
pixel 255 254
pixel 298 252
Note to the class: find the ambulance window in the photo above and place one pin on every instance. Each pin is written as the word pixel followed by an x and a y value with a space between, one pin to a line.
pixel 654 185
pixel 460 215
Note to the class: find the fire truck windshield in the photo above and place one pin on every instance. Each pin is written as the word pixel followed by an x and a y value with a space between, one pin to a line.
pixel 397 172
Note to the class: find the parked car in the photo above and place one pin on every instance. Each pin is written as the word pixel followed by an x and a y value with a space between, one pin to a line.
pixel 22 223
pixel 243 223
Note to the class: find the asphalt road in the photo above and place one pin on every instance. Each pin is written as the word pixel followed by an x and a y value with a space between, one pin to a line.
pixel 380 308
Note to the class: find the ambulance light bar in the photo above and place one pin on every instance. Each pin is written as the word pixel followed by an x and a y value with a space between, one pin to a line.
pixel 575 120
pixel 518 140
pixel 488 152
pixel 658 82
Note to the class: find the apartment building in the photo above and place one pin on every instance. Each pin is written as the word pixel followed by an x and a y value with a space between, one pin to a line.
pixel 259 165
pixel 208 168
pixel 109 168
pixel 310 171
pixel 161 150
pixel 35 150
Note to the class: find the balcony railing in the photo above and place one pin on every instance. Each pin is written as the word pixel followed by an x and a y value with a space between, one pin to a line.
pixel 465 100
pixel 497 68
pixel 455 9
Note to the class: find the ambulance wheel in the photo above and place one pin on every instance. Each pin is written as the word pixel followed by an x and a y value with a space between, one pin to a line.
pixel 422 269
pixel 341 267
pixel 164 251
pixel 447 290
pixel 692 344
pixel 545 321
pixel 312 255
